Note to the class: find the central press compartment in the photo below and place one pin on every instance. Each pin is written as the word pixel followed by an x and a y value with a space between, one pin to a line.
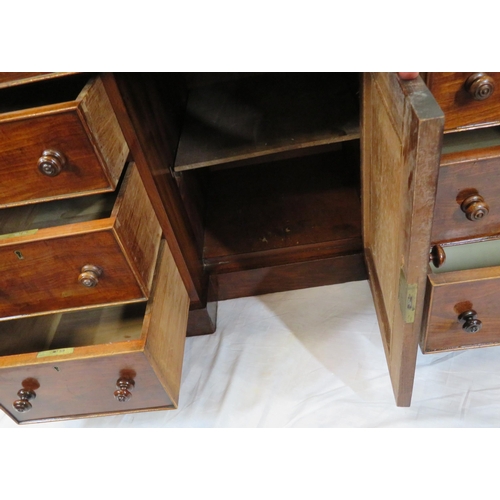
pixel 268 168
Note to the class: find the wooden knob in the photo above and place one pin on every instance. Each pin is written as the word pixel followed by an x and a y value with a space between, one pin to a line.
pixel 51 163
pixel 469 321
pixel 474 207
pixel 124 386
pixel 480 86
pixel 89 275
pixel 22 405
pixel 437 256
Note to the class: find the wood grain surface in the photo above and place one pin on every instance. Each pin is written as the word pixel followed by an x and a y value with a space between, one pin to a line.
pixel 137 227
pixel 461 175
pixel 401 143
pixel 267 114
pixel 292 276
pixel 460 109
pixel 79 379
pixel 450 294
pixel 59 126
pixel 283 212
pixel 149 108
pixel 167 325
pixel 40 269
pixel 20 78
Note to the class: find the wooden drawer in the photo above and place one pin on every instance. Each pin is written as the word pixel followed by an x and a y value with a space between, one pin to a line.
pixel 44 248
pixel 72 361
pixel 466 279
pixel 60 138
pixel 468 191
pixel 468 100
pixel 451 294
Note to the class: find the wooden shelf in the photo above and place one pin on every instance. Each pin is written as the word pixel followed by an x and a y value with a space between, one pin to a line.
pixel 267 116
pixel 283 212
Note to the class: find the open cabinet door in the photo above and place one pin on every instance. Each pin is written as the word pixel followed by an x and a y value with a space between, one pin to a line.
pixel 402 128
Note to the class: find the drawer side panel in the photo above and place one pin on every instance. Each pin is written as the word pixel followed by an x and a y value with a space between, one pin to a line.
pixel 138 229
pixel 105 130
pixel 168 324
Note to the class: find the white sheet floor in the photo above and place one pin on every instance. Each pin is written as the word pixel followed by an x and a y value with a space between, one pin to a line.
pixel 314 359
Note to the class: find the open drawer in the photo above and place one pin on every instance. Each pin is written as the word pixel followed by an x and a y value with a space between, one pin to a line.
pixel 60 138
pixel 80 252
pixel 462 300
pixel 101 361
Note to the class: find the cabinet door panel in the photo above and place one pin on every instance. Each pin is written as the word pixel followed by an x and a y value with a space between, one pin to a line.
pixel 401 130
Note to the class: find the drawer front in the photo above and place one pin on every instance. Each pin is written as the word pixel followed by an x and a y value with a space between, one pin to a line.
pixel 60 150
pixel 467 200
pixel 65 389
pixel 43 276
pixel 450 296
pixel 75 362
pixel 468 100
pixel 83 264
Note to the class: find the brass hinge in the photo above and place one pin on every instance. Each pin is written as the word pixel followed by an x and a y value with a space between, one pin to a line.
pixel 407 298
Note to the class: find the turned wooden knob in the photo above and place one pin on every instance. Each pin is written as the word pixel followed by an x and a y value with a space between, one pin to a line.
pixel 437 256
pixel 51 163
pixel 480 86
pixel 89 275
pixel 469 321
pixel 474 207
pixel 22 405
pixel 124 387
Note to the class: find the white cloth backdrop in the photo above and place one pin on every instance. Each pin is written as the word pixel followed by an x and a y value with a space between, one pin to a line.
pixel 314 359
